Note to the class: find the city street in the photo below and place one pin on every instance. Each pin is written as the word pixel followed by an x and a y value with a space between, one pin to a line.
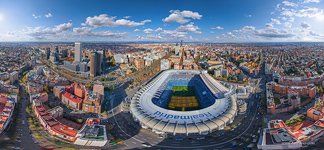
pixel 27 141
pixel 18 135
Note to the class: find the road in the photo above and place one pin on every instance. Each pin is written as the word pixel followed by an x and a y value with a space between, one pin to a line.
pixel 27 141
pixel 17 136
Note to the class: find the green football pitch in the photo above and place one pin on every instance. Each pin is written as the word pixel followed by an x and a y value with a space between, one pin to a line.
pixel 183 91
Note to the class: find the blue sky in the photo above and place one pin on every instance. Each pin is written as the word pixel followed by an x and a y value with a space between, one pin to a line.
pixel 162 20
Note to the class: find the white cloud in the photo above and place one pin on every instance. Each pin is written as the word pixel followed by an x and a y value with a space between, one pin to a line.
pixel 36 16
pixel 158 29
pixel 86 31
pixel 275 21
pixel 182 16
pixel 309 12
pixel 269 25
pixel 248 28
pixel 150 37
pixel 105 20
pixel 312 1
pixel 148 30
pixel 305 25
pixel 137 30
pixel 63 27
pixel 217 28
pixel 230 35
pixel 47 32
pixel 48 15
pixel 287 24
pixel 189 28
pixel 175 34
pixel 82 30
pixel 273 33
pixel 288 3
pixel 267 33
pixel 311 33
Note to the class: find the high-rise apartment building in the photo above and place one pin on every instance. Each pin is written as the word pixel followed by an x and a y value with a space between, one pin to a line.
pixel 94 64
pixel 77 52
pixel 165 64
pixel 48 53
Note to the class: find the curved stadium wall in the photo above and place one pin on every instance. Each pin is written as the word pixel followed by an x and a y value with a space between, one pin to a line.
pixel 217 104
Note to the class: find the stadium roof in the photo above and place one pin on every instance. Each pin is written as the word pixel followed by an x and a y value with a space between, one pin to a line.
pixel 214 117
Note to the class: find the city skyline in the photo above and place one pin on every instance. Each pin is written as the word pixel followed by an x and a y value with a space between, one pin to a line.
pixel 162 21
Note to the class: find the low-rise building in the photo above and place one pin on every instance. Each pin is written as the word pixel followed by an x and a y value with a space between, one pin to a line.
pixel 92 134
pixel 276 136
pixel 242 106
pixel 78 97
pixel 53 126
pixel 139 63
pixel 14 76
pixel 72 100
pixel 91 103
pixel 7 107
pixel 43 97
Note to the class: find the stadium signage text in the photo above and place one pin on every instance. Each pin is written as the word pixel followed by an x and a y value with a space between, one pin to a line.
pixel 191 117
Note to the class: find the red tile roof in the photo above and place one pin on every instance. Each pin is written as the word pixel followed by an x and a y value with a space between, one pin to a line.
pixel 72 98
pixel 55 125
pixel 63 129
pixel 319 123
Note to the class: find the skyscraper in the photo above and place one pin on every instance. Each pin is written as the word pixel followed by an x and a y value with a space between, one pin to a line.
pixel 56 49
pixel 77 52
pixel 94 64
pixel 103 61
pixel 48 53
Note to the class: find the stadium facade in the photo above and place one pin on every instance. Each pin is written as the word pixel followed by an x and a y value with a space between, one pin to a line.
pixel 150 106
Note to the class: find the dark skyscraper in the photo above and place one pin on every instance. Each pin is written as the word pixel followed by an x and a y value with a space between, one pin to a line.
pixel 94 64
pixel 56 49
pixel 48 53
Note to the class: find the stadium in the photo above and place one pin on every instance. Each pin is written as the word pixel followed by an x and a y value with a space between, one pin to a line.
pixel 184 102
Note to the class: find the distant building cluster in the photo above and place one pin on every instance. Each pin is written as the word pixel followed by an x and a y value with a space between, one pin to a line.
pixel 17 60
pixel 42 75
pixel 145 56
pixel 85 62
pixel 294 66
pixel 230 63
pixel 183 58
